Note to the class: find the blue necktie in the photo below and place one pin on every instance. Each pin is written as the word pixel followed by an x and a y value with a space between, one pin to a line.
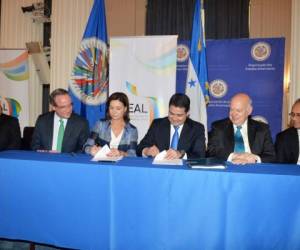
pixel 239 146
pixel 175 138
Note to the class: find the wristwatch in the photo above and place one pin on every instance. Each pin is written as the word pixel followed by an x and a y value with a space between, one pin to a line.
pixel 182 153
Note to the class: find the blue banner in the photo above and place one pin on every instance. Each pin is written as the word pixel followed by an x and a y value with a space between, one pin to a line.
pixel 253 66
pixel 89 80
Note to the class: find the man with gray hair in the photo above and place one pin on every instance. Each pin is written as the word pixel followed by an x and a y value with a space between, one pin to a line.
pixel 60 130
pixel 239 138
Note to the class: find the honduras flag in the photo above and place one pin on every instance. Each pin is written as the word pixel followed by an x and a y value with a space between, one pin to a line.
pixel 196 82
pixel 89 80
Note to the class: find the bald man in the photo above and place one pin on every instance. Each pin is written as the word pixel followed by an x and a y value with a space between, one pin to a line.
pixel 287 141
pixel 239 138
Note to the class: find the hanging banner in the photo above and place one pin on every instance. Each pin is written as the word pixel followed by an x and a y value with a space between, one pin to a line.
pixel 253 66
pixel 14 75
pixel 144 68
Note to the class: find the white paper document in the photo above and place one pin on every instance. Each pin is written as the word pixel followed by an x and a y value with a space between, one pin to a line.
pixel 160 159
pixel 208 167
pixel 101 155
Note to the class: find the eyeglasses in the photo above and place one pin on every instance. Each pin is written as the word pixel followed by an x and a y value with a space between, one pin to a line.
pixel 65 106
pixel 293 115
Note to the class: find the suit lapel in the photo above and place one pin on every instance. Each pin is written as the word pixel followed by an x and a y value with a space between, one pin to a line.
pixel 295 143
pixel 165 132
pixel 68 130
pixel 229 136
pixel 251 134
pixel 50 131
pixel 184 135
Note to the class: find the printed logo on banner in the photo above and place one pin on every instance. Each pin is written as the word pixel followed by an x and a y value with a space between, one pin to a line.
pixel 260 51
pixel 89 76
pixel 17 68
pixel 218 88
pixel 156 107
pixel 260 118
pixel 183 53
pixel 10 106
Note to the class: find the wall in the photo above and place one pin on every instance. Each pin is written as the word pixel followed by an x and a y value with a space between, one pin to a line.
pixel 272 18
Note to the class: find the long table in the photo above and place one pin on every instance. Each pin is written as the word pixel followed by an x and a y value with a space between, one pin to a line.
pixel 68 201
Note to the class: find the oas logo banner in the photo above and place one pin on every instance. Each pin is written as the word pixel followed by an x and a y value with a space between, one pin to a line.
pixel 252 66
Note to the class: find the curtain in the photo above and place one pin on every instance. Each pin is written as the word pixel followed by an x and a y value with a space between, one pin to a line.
pixel 170 17
pixel 223 18
pixel 226 19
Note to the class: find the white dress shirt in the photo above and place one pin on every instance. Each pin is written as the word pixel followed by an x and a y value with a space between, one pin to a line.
pixel 115 140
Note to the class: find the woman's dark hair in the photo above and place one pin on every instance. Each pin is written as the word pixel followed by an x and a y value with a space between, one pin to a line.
pixel 181 101
pixel 123 99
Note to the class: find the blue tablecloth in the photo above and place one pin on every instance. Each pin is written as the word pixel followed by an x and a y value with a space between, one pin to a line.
pixel 67 200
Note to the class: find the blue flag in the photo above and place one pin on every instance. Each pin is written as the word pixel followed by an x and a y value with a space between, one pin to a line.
pixel 89 80
pixel 196 82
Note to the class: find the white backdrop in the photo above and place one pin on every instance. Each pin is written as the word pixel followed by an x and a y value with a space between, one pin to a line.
pixel 14 75
pixel 145 69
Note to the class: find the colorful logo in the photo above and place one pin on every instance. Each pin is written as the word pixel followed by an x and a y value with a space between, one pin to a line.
pixel 218 88
pixel 89 80
pixel 183 53
pixel 261 51
pixel 17 68
pixel 10 106
pixel 155 104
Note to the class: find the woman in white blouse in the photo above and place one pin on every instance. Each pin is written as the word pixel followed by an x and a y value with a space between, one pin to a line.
pixel 116 131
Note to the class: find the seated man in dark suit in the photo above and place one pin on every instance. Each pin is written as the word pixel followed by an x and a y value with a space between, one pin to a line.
pixel 287 141
pixel 60 130
pixel 10 135
pixel 239 138
pixel 177 133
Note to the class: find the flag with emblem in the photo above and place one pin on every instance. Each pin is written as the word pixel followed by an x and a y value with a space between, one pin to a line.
pixel 88 86
pixel 196 82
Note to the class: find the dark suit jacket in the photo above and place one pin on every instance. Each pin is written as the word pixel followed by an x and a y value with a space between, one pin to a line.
pixel 221 140
pixel 287 146
pixel 10 135
pixel 76 133
pixel 192 139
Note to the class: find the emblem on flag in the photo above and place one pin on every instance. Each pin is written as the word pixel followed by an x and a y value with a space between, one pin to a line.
pixel 89 80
